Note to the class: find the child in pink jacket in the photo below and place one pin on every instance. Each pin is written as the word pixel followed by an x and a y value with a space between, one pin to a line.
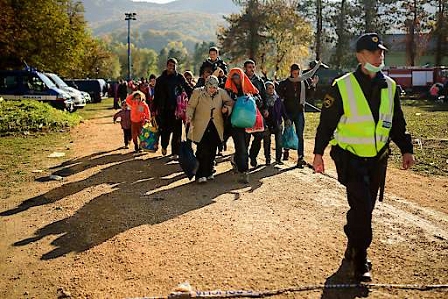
pixel 125 120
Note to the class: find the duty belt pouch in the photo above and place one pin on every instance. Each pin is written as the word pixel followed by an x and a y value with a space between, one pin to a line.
pixel 340 158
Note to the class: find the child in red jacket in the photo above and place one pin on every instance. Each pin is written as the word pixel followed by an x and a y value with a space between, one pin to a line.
pixel 140 114
pixel 125 120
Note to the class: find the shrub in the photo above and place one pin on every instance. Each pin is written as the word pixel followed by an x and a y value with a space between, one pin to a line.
pixel 33 116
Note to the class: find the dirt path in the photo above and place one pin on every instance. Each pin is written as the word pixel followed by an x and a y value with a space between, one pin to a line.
pixel 123 226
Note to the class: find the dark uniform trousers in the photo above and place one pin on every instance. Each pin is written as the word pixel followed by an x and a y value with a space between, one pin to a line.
pixel 362 178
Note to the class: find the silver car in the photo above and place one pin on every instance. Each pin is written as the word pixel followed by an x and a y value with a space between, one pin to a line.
pixel 78 98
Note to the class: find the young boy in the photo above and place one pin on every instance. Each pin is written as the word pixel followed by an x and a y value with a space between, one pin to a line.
pixel 125 120
pixel 140 114
pixel 277 111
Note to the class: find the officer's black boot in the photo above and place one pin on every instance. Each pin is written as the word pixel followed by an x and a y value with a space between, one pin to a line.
pixel 350 253
pixel 361 267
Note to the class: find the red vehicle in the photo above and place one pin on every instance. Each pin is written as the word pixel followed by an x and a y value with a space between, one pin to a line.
pixel 418 79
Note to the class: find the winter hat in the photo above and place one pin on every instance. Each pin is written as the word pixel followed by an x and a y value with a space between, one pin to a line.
pixel 269 83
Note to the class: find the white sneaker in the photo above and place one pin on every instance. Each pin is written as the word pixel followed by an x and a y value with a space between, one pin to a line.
pixel 211 177
pixel 202 180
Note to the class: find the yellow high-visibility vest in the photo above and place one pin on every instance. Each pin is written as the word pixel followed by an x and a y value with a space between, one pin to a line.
pixel 356 131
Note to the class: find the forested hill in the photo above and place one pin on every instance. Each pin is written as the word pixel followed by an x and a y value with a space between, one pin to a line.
pixel 190 21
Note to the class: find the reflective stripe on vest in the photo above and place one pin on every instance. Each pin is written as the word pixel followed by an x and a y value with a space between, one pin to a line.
pixel 356 130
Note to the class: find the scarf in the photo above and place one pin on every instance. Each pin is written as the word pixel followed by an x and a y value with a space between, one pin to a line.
pixel 301 78
pixel 246 85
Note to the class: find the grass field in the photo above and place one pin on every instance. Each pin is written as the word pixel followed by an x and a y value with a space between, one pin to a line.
pixel 428 124
pixel 20 155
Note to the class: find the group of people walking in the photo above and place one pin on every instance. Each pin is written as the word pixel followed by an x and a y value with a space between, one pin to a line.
pixel 360 115
pixel 210 102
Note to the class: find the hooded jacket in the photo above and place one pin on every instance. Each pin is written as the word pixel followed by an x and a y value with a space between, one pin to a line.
pixel 139 109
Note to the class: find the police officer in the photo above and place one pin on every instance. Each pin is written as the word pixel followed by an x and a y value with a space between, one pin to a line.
pixel 360 115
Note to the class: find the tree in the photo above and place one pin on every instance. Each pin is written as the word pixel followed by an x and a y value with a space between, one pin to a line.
pixel 273 35
pixel 284 43
pixel 161 61
pixel 440 31
pixel 413 18
pixel 246 32
pixel 339 21
pixel 144 61
pixel 47 34
pixel 177 50
pixel 314 11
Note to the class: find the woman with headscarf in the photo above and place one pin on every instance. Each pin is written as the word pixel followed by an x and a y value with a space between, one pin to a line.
pixel 205 115
pixel 238 84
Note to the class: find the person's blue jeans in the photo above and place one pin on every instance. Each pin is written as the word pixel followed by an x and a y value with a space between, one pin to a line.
pixel 299 123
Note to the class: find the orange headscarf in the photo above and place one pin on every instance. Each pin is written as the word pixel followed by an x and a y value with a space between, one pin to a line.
pixel 247 86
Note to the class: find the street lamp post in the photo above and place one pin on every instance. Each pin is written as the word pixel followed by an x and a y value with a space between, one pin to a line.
pixel 128 17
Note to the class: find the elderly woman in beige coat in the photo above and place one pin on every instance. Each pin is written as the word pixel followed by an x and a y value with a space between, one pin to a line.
pixel 205 115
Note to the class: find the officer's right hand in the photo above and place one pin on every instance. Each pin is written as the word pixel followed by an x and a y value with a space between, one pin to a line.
pixel 318 164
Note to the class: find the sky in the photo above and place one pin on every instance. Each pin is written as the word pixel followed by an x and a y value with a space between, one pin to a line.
pixel 154 1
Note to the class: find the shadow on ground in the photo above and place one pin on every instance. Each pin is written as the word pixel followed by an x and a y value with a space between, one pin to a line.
pixel 340 285
pixel 141 195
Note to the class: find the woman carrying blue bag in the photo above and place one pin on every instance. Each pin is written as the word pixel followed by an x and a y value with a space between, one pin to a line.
pixel 205 112
pixel 243 116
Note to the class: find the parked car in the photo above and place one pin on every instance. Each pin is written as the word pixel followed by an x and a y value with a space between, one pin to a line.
pixel 92 86
pixel 79 100
pixel 32 84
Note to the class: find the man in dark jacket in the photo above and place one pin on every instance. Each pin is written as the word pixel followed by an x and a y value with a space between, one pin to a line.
pixel 168 86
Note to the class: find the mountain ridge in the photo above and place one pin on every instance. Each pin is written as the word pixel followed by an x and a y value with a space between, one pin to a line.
pixel 191 21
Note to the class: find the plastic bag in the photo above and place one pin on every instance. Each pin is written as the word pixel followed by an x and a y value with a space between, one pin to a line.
pixel 187 159
pixel 149 137
pixel 244 112
pixel 259 124
pixel 290 139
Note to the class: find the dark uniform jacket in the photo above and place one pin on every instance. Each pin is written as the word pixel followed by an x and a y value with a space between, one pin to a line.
pixel 332 110
pixel 167 88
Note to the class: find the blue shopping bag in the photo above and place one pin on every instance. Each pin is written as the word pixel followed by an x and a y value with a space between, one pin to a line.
pixel 289 138
pixel 244 112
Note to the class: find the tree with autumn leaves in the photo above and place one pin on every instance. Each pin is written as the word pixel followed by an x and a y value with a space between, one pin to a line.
pixel 51 35
pixel 270 32
pixel 278 32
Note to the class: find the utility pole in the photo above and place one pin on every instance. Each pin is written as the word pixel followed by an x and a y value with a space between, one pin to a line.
pixel 318 29
pixel 128 17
